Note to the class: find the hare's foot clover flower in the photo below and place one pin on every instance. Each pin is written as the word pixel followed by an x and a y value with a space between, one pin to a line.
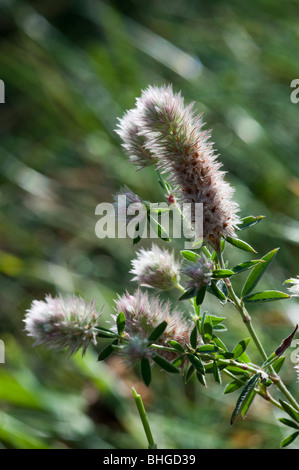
pixel 133 142
pixel 156 268
pixel 143 314
pixel 162 131
pixel 59 324
pixel 199 273
pixel 173 134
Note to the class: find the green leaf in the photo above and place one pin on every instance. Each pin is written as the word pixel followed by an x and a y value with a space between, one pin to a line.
pixel 107 351
pixel 294 414
pixel 166 365
pixel 240 268
pixel 202 322
pixel 219 343
pixel 222 273
pixel 104 333
pixel 216 320
pixel 240 348
pixel 189 294
pixel 248 403
pixel 278 364
pixel 257 272
pixel 288 440
pixel 197 363
pixel 160 230
pixel 158 331
pixel 220 328
pixel 201 379
pixel 178 361
pixel 146 373
pixel 216 373
pixel 189 255
pixel 240 244
pixel 219 289
pixel 236 371
pixel 209 367
pixel 245 395
pixel 160 210
pixel 207 348
pixel 136 240
pixel 226 355
pixel 244 358
pixel 121 323
pixel 206 251
pixel 189 373
pixel 265 296
pixel 232 386
pixel 193 337
pixel 207 329
pixel 289 423
pixel 177 346
pixel 201 295
pixel 249 221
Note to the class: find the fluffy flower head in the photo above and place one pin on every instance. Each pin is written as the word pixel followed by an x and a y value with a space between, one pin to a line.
pixel 198 272
pixel 58 323
pixel 144 313
pixel 156 268
pixel 174 137
pixel 133 142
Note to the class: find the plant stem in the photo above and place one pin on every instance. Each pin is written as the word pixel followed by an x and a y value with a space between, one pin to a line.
pixel 143 417
pixel 247 321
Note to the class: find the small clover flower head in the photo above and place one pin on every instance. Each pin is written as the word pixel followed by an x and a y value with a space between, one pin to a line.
pixel 136 350
pixel 156 268
pixel 58 323
pixel 143 314
pixel 199 272
pixel 134 143
pixel 294 286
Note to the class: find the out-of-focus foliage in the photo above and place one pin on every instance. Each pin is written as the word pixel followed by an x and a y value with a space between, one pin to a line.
pixel 70 68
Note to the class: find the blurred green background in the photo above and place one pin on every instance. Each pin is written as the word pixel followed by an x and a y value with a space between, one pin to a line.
pixel 70 68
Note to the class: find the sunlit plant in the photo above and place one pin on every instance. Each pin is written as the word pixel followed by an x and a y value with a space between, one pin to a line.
pixel 161 131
